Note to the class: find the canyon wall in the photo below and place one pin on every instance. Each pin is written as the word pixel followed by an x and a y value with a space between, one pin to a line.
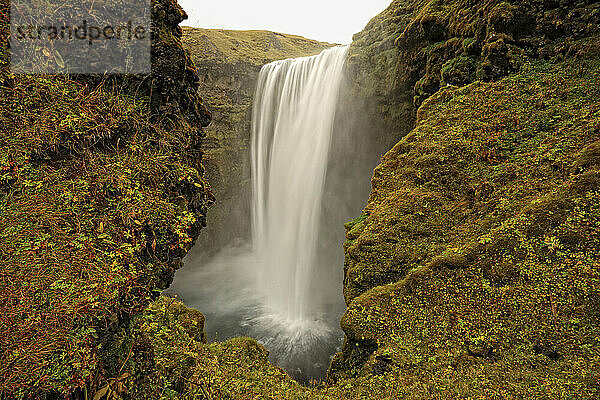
pixel 102 194
pixel 473 269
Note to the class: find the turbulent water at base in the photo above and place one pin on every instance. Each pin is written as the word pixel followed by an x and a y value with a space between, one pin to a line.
pixel 270 289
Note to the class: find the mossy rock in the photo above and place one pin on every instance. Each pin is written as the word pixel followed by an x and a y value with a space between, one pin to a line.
pixel 102 194
pixel 493 209
pixel 412 43
pixel 459 71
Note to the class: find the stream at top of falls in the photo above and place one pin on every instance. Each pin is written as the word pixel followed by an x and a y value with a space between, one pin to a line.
pixel 279 288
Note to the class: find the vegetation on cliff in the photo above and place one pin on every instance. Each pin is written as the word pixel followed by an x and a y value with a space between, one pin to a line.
pixel 415 47
pixel 101 194
pixel 474 269
pixel 472 273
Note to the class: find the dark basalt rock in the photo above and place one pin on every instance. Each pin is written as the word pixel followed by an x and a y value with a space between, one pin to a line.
pixel 174 82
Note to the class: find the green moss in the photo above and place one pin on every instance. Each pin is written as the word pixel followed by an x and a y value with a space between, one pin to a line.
pixel 473 272
pixel 254 47
pixel 165 355
pixel 493 242
pixel 85 234
pixel 588 158
pixel 458 71
pixel 355 226
pixel 100 198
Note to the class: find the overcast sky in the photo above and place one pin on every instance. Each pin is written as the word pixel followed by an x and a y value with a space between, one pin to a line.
pixel 332 21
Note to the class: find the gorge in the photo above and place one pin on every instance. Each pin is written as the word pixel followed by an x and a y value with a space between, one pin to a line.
pixel 430 214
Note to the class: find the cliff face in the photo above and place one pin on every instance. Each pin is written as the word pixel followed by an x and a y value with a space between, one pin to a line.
pixel 228 63
pixel 414 48
pixel 101 195
pixel 474 268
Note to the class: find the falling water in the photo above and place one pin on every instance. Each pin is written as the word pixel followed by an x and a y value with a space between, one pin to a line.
pixel 272 289
pixel 293 119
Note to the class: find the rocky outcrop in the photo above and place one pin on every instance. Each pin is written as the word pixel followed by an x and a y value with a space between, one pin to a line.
pixel 174 83
pixel 102 194
pixel 414 48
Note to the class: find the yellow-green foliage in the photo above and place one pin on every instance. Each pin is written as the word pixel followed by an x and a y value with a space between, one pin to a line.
pixel 254 47
pixel 476 272
pixel 168 341
pixel 99 197
pixel 89 215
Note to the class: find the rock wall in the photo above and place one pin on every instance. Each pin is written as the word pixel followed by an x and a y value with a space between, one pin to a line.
pixel 461 265
pixel 102 194
pixel 414 48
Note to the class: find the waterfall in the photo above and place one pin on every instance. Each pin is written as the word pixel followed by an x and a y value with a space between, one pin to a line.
pixel 279 288
pixel 293 117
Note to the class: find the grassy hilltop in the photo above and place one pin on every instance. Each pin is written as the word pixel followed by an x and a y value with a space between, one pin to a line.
pixel 249 47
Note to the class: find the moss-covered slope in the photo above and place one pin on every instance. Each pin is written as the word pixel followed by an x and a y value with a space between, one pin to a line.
pixel 101 195
pixel 487 232
pixel 474 269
